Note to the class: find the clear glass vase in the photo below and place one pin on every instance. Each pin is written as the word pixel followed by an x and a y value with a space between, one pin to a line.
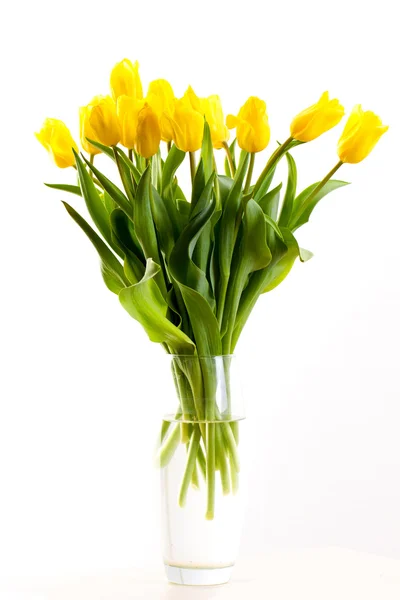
pixel 199 456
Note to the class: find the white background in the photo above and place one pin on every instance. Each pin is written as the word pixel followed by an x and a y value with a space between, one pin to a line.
pixel 79 389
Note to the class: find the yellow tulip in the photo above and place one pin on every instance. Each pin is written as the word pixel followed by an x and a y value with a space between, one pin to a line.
pixel 160 97
pixel 215 119
pixel 192 99
pixel 316 119
pixel 187 126
pixel 211 109
pixel 148 132
pixel 362 131
pixel 252 128
pixel 103 120
pixel 86 131
pixel 128 111
pixel 57 139
pixel 125 80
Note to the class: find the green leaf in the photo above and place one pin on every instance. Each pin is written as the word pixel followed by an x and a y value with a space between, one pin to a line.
pixel 144 224
pixel 105 149
pixel 112 270
pixel 225 186
pixel 227 167
pixel 229 217
pixel 169 186
pixel 72 189
pixel 270 202
pixel 136 174
pixel 265 185
pixel 126 175
pixel 145 303
pixel 124 234
pixel 305 202
pixel 290 192
pixel 94 204
pixel 207 154
pixel 251 254
pixel 162 222
pixel 173 161
pixel 110 188
pixel 181 265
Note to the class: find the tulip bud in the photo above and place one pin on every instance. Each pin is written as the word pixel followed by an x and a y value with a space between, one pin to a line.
pixel 316 119
pixel 187 126
pixel 148 132
pixel 86 131
pixel 362 131
pixel 160 97
pixel 56 138
pixel 252 128
pixel 128 111
pixel 211 109
pixel 103 120
pixel 215 118
pixel 125 80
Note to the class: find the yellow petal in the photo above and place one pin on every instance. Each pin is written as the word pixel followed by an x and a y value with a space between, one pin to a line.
pixel 56 138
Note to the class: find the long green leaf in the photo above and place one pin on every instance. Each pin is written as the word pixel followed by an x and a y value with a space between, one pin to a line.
pixel 95 204
pixel 252 253
pixel 72 189
pixel 290 193
pixel 112 270
pixel 182 267
pixel 144 225
pixel 116 194
pixel 145 303
pixel 305 202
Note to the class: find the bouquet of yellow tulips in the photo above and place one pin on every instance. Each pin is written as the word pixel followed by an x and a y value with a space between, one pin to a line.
pixel 191 266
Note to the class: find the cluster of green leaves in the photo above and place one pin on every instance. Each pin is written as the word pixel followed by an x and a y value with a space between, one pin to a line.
pixel 190 270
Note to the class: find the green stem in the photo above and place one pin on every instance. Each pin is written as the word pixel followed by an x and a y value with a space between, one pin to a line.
pixel 249 173
pixel 222 459
pixel 210 471
pixel 234 475
pixel 190 465
pixel 230 159
pixel 169 146
pixel 168 449
pixel 275 156
pixel 192 159
pixel 130 154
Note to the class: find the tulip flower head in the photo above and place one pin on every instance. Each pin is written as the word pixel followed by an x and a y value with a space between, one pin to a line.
pixel 187 126
pixel 86 131
pixel 362 131
pixel 252 128
pixel 125 80
pixel 128 109
pixel 103 120
pixel 57 139
pixel 148 132
pixel 160 97
pixel 316 119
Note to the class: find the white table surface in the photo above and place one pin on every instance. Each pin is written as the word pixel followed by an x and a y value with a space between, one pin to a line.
pixel 323 574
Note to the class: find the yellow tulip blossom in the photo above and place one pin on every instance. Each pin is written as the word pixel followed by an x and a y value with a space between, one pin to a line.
pixel 187 126
pixel 316 119
pixel 86 131
pixel 362 131
pixel 211 109
pixel 160 97
pixel 148 132
pixel 128 109
pixel 215 118
pixel 57 139
pixel 125 80
pixel 103 120
pixel 252 128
